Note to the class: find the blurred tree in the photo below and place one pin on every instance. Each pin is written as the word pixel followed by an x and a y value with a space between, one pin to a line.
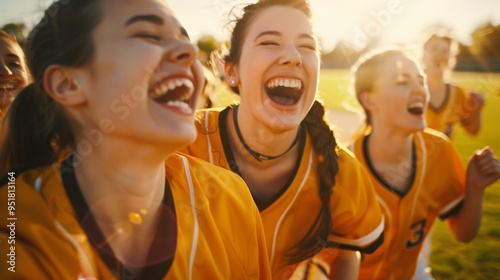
pixel 207 44
pixel 486 46
pixel 466 61
pixel 18 30
pixel 343 56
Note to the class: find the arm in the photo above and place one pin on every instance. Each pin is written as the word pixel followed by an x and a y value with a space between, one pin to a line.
pixel 471 117
pixel 345 265
pixel 483 170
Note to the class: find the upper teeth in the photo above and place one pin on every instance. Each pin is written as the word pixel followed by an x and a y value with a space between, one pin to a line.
pixel 285 82
pixel 7 86
pixel 417 105
pixel 171 85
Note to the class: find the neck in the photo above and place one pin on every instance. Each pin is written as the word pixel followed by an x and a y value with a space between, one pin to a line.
pixel 387 146
pixel 435 78
pixel 127 181
pixel 264 178
pixel 258 142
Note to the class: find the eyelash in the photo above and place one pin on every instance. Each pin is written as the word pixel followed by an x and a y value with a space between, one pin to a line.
pixel 272 43
pixel 14 64
pixel 149 36
pixel 269 43
pixel 311 47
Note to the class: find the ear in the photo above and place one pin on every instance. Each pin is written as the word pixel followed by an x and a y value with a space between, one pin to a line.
pixel 231 74
pixel 62 84
pixel 367 101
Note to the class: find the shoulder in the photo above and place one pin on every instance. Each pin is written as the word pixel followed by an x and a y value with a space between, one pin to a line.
pixel 34 182
pixel 433 136
pixel 209 118
pixel 347 158
pixel 457 91
pixel 36 226
pixel 212 179
pixel 434 143
pixel 351 170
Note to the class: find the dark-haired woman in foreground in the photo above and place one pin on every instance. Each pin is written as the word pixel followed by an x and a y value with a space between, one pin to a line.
pixel 115 89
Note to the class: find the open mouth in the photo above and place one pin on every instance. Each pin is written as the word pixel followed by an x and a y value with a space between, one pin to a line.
pixel 173 92
pixel 8 87
pixel 284 91
pixel 416 109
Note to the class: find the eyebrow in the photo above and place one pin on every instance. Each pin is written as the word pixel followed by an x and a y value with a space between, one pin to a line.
pixel 11 55
pixel 149 18
pixel 276 33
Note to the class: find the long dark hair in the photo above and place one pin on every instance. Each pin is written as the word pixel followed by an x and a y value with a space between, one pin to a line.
pixel 324 142
pixel 37 128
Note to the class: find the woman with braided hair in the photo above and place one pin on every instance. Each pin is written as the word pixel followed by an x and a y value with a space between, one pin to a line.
pixel 311 193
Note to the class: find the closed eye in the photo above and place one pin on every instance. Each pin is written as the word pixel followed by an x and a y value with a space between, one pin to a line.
pixel 269 43
pixel 308 46
pixel 14 64
pixel 148 36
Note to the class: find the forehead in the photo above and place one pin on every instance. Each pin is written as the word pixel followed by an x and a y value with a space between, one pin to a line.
pixel 398 64
pixel 120 11
pixel 7 48
pixel 438 42
pixel 291 20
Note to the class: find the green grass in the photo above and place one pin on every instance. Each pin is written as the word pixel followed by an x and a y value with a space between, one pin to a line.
pixel 479 259
pixel 450 259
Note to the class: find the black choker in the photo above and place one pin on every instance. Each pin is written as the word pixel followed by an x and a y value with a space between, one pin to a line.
pixel 257 156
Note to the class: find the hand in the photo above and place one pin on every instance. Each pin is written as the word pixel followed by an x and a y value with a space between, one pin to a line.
pixel 483 169
pixel 476 100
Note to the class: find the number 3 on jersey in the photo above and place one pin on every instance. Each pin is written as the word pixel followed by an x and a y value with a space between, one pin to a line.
pixel 418 229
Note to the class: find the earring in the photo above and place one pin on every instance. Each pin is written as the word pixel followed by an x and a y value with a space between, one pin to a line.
pixel 233 82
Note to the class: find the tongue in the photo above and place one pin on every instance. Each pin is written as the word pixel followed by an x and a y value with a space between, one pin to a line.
pixel 283 100
pixel 415 111
pixel 283 95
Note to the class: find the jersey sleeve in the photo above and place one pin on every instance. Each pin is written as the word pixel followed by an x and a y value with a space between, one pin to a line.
pixel 460 105
pixel 31 245
pixel 456 192
pixel 358 223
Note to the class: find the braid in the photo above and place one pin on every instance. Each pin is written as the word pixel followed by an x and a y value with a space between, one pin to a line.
pixel 325 145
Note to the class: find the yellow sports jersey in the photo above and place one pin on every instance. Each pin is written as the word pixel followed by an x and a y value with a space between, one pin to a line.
pixel 449 113
pixel 437 189
pixel 219 230
pixel 357 219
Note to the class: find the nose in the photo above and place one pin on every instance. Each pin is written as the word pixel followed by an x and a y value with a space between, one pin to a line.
pixel 291 56
pixel 184 53
pixel 421 90
pixel 4 69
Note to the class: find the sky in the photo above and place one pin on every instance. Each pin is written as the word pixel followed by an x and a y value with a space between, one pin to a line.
pixel 350 21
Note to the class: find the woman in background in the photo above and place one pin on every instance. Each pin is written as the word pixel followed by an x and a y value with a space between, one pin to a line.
pixel 449 104
pixel 13 70
pixel 417 173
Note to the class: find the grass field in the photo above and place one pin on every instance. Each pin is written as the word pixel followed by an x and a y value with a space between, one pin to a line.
pixel 479 259
pixel 450 260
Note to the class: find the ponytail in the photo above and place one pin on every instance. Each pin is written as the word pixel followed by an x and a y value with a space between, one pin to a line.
pixel 34 124
pixel 325 146
pixel 37 128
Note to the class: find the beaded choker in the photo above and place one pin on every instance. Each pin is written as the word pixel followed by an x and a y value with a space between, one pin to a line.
pixel 256 155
